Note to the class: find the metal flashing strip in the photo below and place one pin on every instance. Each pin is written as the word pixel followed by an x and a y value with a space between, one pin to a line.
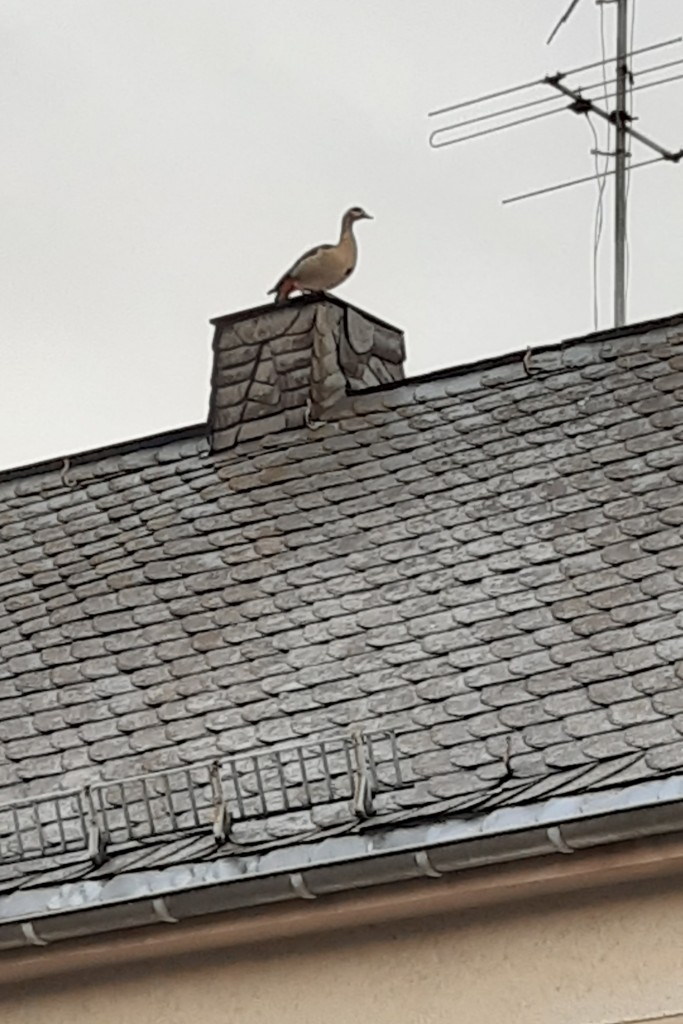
pixel 355 861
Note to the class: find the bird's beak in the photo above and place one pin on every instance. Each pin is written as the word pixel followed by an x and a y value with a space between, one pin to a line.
pixel 368 216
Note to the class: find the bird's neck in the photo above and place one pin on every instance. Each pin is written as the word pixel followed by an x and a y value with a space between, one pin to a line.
pixel 346 229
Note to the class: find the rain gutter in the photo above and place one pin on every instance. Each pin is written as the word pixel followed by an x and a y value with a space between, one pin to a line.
pixel 560 826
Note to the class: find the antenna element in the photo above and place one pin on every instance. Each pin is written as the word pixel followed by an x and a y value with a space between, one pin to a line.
pixel 580 103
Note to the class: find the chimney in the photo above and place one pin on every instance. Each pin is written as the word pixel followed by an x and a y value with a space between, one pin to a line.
pixel 276 367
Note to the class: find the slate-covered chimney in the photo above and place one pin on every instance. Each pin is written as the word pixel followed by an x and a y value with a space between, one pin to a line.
pixel 282 366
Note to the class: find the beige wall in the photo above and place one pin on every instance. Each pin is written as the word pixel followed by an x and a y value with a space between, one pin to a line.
pixel 582 959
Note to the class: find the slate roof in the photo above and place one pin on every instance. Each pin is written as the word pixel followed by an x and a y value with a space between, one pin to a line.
pixel 487 562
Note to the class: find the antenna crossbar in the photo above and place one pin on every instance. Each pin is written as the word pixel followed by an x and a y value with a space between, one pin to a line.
pixel 578 98
pixel 582 105
pixel 540 81
pixel 601 84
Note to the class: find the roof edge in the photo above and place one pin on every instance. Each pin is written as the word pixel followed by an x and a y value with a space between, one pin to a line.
pixel 507 358
pixel 561 825
pixel 201 429
pixel 117 448
pixel 299 302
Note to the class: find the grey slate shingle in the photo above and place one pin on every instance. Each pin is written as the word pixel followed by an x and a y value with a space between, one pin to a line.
pixel 487 563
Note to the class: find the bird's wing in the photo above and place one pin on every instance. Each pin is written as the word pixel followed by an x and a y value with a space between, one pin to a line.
pixel 309 257
pixel 306 260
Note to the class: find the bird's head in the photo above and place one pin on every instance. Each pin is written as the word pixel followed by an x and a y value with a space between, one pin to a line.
pixel 356 213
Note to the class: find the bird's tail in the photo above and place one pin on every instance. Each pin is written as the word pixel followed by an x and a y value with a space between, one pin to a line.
pixel 282 289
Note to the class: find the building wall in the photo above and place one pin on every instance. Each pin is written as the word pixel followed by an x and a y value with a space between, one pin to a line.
pixel 581 960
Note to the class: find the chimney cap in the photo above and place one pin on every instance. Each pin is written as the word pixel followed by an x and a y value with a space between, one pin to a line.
pixel 297 303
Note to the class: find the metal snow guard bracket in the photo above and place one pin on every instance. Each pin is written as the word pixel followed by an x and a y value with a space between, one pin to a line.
pixel 204 797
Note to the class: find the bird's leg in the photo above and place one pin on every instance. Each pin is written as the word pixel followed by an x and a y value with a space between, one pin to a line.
pixel 287 286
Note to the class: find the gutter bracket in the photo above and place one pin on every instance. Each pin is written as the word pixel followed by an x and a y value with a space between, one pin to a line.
pixel 299 886
pixel 160 908
pixel 425 865
pixel 554 834
pixel 29 933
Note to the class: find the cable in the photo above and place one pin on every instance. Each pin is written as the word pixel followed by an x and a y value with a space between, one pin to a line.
pixel 601 175
pixel 599 219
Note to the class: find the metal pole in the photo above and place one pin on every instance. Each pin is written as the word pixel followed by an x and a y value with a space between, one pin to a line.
pixel 620 116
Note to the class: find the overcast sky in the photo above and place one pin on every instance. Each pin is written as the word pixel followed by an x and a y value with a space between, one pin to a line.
pixel 163 161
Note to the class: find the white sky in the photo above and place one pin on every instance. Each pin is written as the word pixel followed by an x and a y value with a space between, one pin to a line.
pixel 164 160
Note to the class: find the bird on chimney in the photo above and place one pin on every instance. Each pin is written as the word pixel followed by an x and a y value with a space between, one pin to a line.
pixel 326 266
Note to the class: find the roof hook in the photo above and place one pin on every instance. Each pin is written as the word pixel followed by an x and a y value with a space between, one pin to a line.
pixel 221 814
pixel 97 836
pixel 362 796
pixel 64 473
pixel 309 419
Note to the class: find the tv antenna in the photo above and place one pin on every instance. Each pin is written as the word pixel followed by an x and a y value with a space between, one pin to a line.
pixel 582 97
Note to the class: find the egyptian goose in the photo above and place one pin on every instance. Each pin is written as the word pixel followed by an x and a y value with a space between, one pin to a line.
pixel 326 266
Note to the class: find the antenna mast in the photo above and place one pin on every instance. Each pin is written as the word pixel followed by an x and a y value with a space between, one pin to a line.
pixel 621 116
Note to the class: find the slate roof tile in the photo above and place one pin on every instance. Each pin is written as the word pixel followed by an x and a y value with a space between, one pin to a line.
pixel 489 563
pixel 665 758
pixel 606 746
pixel 651 734
pixel 634 712
pixel 566 755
